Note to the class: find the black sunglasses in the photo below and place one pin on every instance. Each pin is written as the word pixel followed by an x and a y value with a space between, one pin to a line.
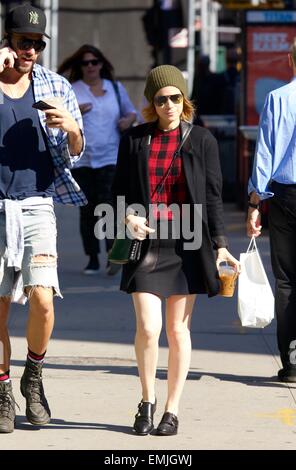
pixel 85 63
pixel 26 44
pixel 162 100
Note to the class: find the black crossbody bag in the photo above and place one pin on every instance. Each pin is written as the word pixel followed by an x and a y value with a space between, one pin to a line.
pixel 128 250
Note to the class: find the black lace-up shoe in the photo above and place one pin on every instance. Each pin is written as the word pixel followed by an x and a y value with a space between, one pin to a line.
pixel 143 424
pixel 92 267
pixel 37 409
pixel 168 425
pixel 7 408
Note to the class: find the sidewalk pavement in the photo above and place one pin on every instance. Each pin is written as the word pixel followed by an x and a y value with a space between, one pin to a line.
pixel 231 400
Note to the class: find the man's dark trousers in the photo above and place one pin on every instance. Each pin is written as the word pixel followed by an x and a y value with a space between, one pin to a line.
pixel 96 184
pixel 282 231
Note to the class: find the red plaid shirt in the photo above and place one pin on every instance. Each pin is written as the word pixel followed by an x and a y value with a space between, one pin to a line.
pixel 163 146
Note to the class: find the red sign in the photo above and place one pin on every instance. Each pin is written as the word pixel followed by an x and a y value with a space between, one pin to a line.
pixel 267 64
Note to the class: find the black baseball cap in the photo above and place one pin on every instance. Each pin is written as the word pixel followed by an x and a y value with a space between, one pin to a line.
pixel 26 18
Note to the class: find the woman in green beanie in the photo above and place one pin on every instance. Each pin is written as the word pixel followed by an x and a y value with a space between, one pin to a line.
pixel 179 218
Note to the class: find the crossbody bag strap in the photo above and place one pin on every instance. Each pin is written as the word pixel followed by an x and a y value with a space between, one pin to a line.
pixel 118 97
pixel 161 184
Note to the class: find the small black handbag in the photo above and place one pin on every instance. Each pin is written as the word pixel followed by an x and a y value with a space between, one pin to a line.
pixel 126 250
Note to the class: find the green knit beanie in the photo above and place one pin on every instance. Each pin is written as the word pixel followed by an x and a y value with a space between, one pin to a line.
pixel 161 76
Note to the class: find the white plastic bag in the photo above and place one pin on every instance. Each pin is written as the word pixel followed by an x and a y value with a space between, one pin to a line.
pixel 255 297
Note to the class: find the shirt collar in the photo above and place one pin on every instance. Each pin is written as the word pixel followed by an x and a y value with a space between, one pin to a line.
pixel 36 72
pixel 105 85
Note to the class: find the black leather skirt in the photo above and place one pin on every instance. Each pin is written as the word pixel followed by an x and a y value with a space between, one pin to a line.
pixel 167 269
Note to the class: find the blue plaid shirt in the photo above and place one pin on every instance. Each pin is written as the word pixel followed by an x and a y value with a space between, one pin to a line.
pixel 47 84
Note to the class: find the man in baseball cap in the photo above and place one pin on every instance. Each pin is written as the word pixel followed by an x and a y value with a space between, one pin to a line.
pixel 24 30
pixel 37 150
pixel 26 19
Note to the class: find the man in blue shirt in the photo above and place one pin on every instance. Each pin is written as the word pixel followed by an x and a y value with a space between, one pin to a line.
pixel 37 150
pixel 274 177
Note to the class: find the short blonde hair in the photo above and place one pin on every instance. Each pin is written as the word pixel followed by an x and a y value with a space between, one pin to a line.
pixel 149 113
pixel 293 51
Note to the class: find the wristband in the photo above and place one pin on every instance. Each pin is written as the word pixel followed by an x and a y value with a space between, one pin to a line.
pixel 254 206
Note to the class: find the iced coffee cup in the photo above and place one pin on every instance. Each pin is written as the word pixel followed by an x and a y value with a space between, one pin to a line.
pixel 228 276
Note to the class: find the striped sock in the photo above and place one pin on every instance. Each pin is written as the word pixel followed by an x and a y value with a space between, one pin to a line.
pixel 5 377
pixel 36 358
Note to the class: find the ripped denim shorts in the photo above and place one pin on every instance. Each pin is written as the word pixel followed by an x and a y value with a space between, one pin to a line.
pixel 39 264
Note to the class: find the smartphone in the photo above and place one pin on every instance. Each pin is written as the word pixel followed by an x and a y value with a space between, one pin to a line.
pixel 42 106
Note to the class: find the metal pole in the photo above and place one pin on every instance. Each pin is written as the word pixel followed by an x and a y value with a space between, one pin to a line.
pixel 45 5
pixel 204 33
pixel 214 8
pixel 54 34
pixel 50 55
pixel 191 46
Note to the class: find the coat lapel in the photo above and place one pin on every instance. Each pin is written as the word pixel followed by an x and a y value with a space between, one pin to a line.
pixel 143 166
pixel 188 161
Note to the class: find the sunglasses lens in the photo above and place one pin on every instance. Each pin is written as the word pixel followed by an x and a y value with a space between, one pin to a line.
pixel 162 100
pixel 176 99
pixel 26 44
pixel 85 63
pixel 40 46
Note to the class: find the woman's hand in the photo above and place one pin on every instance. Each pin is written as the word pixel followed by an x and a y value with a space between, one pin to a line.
pixel 126 121
pixel 137 226
pixel 224 255
pixel 85 107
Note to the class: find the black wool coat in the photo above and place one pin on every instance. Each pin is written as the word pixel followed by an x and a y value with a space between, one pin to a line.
pixel 204 181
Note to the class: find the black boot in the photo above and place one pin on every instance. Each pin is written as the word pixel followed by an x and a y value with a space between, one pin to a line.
pixel 7 408
pixel 143 424
pixel 37 409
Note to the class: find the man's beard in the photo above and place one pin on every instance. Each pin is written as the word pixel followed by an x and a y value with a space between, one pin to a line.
pixel 22 68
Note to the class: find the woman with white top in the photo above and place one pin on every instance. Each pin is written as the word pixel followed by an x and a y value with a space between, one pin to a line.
pixel 107 111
